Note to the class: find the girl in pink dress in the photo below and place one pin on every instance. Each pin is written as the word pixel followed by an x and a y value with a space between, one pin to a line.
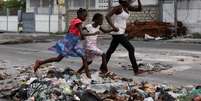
pixel 91 49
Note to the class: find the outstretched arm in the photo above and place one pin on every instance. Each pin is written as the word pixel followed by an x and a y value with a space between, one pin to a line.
pixel 137 9
pixel 85 32
pixel 106 30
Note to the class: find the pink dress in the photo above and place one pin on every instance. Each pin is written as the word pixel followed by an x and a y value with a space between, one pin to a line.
pixel 91 48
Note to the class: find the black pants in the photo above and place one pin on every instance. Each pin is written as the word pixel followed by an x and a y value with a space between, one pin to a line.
pixel 122 39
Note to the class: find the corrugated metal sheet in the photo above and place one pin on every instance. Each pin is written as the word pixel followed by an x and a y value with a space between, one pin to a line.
pixel 28 22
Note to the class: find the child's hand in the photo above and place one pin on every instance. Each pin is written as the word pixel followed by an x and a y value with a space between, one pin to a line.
pixel 115 29
pixel 111 30
pixel 98 32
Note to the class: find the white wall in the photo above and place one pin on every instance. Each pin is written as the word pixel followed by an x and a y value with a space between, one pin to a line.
pixel 42 23
pixel 147 2
pixel 43 10
pixel 168 12
pixel 12 23
pixel 191 17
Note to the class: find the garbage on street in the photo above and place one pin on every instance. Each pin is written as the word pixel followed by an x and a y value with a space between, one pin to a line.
pixel 52 84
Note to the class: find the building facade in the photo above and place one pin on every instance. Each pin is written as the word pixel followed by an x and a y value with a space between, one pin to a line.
pixel 41 9
pixel 188 12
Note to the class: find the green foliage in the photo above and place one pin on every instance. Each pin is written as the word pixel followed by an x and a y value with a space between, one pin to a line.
pixel 185 98
pixel 15 4
pixel 1 4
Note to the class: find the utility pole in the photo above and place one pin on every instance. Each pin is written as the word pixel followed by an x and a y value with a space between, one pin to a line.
pixel 161 9
pixel 49 13
pixel 109 4
pixel 7 14
pixel 87 4
pixel 175 16
pixel 66 14
pixel 59 17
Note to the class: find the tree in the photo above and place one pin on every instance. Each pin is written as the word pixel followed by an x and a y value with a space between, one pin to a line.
pixel 15 5
pixel 60 3
pixel 1 4
pixel 66 15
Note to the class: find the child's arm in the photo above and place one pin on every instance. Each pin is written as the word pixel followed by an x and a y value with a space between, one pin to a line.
pixel 86 32
pixel 79 26
pixel 106 30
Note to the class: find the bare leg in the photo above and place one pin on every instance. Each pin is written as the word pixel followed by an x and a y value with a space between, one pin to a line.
pixel 82 68
pixel 103 67
pixel 84 59
pixel 38 63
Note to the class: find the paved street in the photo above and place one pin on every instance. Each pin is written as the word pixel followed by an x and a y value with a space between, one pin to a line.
pixel 185 58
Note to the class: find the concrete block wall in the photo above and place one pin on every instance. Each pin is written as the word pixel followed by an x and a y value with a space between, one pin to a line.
pixel 148 13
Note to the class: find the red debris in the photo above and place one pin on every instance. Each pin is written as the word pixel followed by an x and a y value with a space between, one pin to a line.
pixel 152 28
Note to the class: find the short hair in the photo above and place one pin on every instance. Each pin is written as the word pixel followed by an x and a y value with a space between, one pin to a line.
pixel 97 16
pixel 81 12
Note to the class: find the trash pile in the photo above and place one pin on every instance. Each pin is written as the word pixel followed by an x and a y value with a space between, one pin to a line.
pixel 3 74
pixel 149 67
pixel 154 30
pixel 66 85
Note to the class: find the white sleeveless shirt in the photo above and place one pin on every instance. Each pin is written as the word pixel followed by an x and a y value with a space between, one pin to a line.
pixel 120 21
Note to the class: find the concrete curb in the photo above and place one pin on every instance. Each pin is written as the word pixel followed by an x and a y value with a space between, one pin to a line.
pixel 17 38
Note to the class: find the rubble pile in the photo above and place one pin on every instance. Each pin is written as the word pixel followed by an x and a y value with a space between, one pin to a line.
pixel 3 73
pixel 67 85
pixel 150 67
pixel 154 29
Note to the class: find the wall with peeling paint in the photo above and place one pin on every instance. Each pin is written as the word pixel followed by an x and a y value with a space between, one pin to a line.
pixel 189 12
